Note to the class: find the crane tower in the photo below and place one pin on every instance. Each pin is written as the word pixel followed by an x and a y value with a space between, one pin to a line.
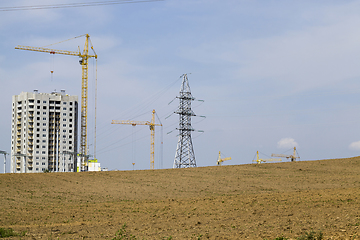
pixel 184 156
pixel 151 125
pixel 221 160
pixel 291 157
pixel 84 56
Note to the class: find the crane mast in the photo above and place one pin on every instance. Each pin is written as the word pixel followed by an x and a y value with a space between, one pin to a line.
pixel 84 56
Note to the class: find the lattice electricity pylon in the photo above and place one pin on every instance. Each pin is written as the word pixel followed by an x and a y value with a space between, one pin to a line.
pixel 184 156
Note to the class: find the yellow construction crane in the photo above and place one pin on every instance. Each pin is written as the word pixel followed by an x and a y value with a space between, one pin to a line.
pixel 291 157
pixel 221 160
pixel 260 160
pixel 152 125
pixel 84 56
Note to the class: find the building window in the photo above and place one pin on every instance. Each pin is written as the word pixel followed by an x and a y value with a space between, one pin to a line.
pixel 37 135
pixel 44 135
pixel 38 113
pixel 37 124
pixel 37 152
pixel 43 158
pixel 37 158
pixel 44 130
pixel 64 108
pixel 70 131
pixel 64 114
pixel 37 169
pixel 70 114
pixel 43 140
pixel 38 101
pixel 70 109
pixel 43 152
pixel 64 130
pixel 37 141
pixel 38 129
pixel 44 119
pixel 44 107
pixel 70 103
pixel 37 162
pixel 64 125
pixel 43 169
pixel 44 101
pixel 37 146
pixel 38 118
pixel 44 124
pixel 43 146
pixel 43 163
pixel 64 103
pixel 44 113
pixel 70 125
pixel 38 107
pixel 70 120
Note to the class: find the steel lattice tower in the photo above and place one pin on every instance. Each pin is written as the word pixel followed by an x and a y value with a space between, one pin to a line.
pixel 184 156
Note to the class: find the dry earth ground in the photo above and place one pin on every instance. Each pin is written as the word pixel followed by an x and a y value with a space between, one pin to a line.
pixel 229 202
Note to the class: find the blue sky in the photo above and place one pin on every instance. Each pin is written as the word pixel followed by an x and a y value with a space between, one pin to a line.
pixel 273 74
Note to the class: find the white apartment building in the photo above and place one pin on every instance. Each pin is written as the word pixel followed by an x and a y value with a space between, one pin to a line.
pixel 44 132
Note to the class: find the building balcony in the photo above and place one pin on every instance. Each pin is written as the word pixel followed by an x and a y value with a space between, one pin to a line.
pixel 31 131
pixel 18 144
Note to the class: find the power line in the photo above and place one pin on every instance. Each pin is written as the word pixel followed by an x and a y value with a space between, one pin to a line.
pixel 72 5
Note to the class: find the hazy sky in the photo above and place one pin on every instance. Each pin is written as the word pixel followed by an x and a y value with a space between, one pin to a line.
pixel 273 74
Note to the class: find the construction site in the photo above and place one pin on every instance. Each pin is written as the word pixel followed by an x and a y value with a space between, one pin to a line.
pixel 152 131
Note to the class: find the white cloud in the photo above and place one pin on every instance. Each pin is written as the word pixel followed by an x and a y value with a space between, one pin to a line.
pixel 287 143
pixel 355 145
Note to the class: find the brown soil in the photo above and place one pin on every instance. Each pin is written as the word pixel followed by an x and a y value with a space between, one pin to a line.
pixel 263 201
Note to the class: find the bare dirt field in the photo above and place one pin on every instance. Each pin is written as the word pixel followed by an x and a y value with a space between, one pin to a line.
pixel 262 201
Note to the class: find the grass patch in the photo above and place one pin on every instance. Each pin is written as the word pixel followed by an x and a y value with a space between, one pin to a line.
pixel 312 235
pixel 8 232
pixel 122 234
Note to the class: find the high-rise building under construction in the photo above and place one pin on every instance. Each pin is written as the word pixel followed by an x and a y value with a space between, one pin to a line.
pixel 44 132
